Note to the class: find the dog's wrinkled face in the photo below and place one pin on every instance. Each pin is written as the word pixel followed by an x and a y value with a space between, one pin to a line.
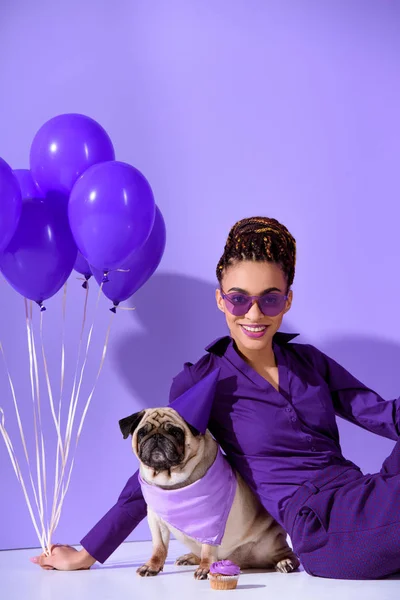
pixel 159 437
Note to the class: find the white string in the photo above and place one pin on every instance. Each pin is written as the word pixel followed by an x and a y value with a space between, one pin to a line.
pixel 74 399
pixel 49 390
pixel 62 379
pixel 35 418
pixel 60 478
pixel 19 476
pixel 78 435
pixel 61 484
pixel 42 442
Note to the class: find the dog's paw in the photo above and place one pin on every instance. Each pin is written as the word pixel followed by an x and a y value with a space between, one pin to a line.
pixel 187 559
pixel 287 565
pixel 148 571
pixel 202 572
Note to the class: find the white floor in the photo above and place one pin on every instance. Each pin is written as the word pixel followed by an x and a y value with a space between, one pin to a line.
pixel 21 580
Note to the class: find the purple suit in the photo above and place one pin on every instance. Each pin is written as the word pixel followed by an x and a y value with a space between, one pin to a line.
pixel 286 446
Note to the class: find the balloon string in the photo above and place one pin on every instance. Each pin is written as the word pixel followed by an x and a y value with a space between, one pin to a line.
pixel 19 476
pixel 77 364
pixel 78 435
pixel 39 410
pixel 21 430
pixel 23 440
pixel 42 442
pixel 15 404
pixel 28 317
pixel 64 311
pixel 63 446
pixel 35 415
pixel 10 446
pixel 50 391
pixel 74 401
pixel 61 477
pixel 103 357
pixel 62 380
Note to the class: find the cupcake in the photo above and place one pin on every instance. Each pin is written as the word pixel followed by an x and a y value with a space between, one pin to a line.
pixel 224 575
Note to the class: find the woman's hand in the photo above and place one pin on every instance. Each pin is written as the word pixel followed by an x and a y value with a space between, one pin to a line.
pixel 64 558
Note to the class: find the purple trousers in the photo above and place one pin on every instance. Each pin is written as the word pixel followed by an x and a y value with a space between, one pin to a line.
pixel 346 525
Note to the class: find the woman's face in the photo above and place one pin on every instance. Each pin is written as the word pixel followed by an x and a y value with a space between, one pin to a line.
pixel 253 330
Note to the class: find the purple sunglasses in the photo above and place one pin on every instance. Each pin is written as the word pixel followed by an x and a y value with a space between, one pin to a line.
pixel 270 304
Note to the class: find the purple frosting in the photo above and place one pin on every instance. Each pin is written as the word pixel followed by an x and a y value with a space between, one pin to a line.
pixel 224 567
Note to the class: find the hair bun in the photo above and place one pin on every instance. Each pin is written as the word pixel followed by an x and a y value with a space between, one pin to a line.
pixel 260 239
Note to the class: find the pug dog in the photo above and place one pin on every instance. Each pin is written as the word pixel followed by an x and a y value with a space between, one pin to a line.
pixel 173 455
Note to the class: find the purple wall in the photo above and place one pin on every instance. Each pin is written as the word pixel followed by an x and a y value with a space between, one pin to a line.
pixel 230 108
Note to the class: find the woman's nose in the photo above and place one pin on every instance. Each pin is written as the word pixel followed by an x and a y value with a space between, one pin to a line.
pixel 254 313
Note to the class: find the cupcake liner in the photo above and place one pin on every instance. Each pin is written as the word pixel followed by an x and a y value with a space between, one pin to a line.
pixel 223 582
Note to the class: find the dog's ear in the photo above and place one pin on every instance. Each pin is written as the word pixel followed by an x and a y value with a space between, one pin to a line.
pixel 129 424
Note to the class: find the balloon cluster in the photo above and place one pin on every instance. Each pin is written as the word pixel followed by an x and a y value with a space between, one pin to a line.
pixel 77 207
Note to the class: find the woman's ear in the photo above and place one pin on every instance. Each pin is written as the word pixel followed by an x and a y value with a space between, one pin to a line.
pixel 289 301
pixel 219 299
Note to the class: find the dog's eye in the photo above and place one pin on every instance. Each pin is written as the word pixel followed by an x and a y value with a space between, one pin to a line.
pixel 175 431
pixel 141 433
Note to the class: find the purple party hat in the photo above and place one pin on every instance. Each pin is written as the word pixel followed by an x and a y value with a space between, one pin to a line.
pixel 195 404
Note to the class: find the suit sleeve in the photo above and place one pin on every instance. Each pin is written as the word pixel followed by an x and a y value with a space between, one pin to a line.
pixel 356 402
pixel 130 509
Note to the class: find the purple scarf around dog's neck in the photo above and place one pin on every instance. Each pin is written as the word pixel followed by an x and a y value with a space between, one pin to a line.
pixel 199 510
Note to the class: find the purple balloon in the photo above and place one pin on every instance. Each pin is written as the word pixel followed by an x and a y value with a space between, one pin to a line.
pixel 82 266
pixel 64 148
pixel 10 204
pixel 111 212
pixel 140 266
pixel 41 255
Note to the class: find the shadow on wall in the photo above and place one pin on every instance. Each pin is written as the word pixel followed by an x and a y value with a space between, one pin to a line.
pixel 374 362
pixel 178 317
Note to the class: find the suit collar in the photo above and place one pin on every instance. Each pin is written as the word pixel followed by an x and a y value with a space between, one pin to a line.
pixel 221 345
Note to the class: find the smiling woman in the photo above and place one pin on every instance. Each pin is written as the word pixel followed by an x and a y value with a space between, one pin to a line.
pixel 255 273
pixel 274 415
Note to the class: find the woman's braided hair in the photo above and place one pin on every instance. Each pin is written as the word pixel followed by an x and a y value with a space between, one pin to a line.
pixel 260 239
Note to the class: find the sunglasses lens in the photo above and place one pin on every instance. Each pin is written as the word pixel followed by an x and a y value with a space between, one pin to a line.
pixel 272 304
pixel 237 304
